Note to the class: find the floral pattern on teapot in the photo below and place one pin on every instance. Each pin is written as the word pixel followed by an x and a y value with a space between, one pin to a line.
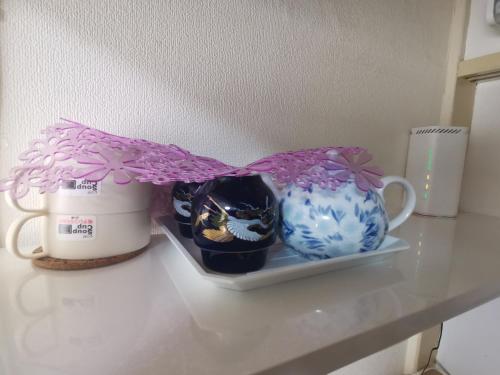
pixel 320 223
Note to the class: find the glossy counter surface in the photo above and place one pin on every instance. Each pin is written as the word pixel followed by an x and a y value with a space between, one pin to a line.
pixel 153 315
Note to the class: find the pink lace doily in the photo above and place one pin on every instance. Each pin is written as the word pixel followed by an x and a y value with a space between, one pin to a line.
pixel 70 150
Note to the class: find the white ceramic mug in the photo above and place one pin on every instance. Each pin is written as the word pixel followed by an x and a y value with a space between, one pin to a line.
pixel 87 220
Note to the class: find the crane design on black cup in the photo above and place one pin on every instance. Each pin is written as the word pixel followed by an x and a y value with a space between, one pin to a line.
pixel 250 224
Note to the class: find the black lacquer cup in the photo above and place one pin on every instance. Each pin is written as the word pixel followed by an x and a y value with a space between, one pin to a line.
pixel 234 221
pixel 182 197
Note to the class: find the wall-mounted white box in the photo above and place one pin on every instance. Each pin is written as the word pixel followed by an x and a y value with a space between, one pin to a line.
pixel 435 167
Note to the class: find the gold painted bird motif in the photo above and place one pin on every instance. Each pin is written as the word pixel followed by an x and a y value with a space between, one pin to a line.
pixel 247 225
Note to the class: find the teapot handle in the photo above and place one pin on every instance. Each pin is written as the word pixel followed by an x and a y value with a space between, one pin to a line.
pixel 410 200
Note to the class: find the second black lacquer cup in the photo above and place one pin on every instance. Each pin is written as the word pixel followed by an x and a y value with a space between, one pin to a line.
pixel 182 197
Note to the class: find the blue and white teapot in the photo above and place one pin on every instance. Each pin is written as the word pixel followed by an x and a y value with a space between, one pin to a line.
pixel 320 223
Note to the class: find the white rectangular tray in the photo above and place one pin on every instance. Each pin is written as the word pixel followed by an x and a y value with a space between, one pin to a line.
pixel 282 264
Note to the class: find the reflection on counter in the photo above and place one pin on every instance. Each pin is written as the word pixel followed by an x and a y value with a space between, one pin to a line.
pixel 424 235
pixel 78 317
pixel 155 314
pixel 217 310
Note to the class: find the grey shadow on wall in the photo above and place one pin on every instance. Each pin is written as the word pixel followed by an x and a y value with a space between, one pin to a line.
pixel 245 66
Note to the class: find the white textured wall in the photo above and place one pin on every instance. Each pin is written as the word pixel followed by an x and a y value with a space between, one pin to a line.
pixel 232 79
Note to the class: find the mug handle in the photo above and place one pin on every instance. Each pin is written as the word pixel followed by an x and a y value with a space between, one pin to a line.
pixel 410 199
pixel 12 236
pixel 25 281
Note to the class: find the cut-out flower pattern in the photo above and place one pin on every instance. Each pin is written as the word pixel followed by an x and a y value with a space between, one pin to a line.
pixel 18 183
pixel 44 152
pixel 49 180
pixel 123 165
pixel 24 178
pixel 347 165
pixel 71 150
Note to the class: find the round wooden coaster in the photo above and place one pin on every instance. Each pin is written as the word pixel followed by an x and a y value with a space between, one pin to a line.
pixel 83 264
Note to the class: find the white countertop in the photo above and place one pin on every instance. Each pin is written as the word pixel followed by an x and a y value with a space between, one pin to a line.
pixel 153 315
